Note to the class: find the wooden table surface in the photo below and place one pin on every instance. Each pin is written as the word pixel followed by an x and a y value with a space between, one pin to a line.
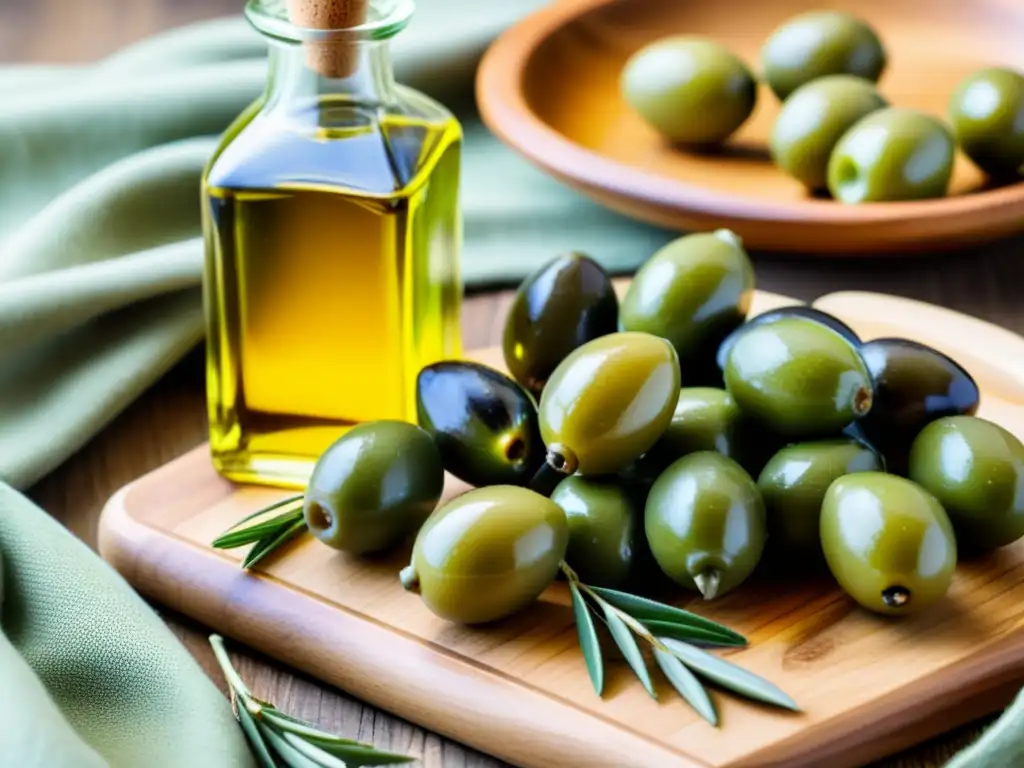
pixel 170 418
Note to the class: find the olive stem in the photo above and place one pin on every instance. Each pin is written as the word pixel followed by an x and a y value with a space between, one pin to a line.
pixel 895 597
pixel 708 583
pixel 545 480
pixel 409 578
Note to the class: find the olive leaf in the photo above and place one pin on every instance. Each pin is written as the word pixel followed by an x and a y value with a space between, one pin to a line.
pixel 268 535
pixel 687 685
pixel 589 642
pixel 627 644
pixel 272 542
pixel 690 634
pixel 238 537
pixel 646 610
pixel 277 738
pixel 256 743
pixel 728 675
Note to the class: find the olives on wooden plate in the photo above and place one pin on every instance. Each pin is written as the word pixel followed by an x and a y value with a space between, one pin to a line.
pixel 558 308
pixel 487 554
pixel 913 385
pixel 892 154
pixel 693 292
pixel 799 377
pixel 818 43
pixel 373 487
pixel 812 121
pixel 705 523
pixel 603 523
pixel 976 470
pixel 793 486
pixel 987 115
pixel 608 403
pixel 888 542
pixel 484 424
pixel 691 90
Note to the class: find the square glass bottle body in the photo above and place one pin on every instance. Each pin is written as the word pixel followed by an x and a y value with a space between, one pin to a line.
pixel 332 269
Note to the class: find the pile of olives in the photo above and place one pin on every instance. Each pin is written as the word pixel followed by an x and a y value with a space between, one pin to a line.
pixel 668 439
pixel 835 132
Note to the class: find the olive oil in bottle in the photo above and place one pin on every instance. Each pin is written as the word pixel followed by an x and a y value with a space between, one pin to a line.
pixel 333 236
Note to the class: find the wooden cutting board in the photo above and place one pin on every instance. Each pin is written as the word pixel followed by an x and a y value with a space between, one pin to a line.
pixel 868 686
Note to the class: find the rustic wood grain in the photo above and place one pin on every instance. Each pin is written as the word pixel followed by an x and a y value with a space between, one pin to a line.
pixel 170 418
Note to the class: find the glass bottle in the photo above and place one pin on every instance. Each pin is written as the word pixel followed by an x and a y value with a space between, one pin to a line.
pixel 333 235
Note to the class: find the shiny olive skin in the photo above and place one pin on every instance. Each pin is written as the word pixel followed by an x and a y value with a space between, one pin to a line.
pixel 608 402
pixel 705 523
pixel 813 119
pixel 772 315
pixel 704 419
pixel 793 486
pixel 487 554
pixel 691 90
pixel 819 43
pixel 561 306
pixel 914 385
pixel 693 292
pixel 976 470
pixel 987 115
pixel 602 520
pixel 485 425
pixel 373 487
pixel 888 542
pixel 798 377
pixel 894 153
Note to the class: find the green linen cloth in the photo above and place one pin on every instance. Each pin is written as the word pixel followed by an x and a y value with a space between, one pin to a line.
pixel 100 267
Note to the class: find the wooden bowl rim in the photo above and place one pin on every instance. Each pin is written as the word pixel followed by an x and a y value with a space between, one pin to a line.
pixel 504 109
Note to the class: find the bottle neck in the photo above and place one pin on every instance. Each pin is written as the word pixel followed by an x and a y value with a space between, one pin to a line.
pixel 355 73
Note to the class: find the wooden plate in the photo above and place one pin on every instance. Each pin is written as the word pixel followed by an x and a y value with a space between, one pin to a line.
pixel 549 88
pixel 868 686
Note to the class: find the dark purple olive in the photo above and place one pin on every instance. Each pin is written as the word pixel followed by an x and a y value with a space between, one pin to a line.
pixel 566 303
pixel 914 385
pixel 772 315
pixel 484 424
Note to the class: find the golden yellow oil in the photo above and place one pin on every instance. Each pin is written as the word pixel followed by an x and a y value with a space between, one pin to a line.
pixel 333 239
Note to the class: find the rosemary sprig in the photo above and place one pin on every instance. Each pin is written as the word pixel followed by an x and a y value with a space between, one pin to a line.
pixel 268 535
pixel 671 633
pixel 279 740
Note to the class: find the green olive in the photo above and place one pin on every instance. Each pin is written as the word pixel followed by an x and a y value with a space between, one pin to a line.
pixel 987 115
pixel 888 542
pixel 561 306
pixel 705 523
pixel 484 423
pixel 892 154
pixel 608 402
pixel 976 470
pixel 691 90
pixel 798 377
pixel 914 385
pixel 693 292
pixel 812 121
pixel 819 43
pixel 793 486
pixel 373 487
pixel 705 419
pixel 487 554
pixel 602 522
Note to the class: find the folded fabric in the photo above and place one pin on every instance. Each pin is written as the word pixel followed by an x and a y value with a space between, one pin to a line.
pixel 100 270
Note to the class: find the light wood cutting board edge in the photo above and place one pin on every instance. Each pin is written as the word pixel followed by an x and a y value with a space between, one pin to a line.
pixel 503 716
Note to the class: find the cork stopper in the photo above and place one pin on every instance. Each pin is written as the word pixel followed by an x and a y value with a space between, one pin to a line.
pixel 329 58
